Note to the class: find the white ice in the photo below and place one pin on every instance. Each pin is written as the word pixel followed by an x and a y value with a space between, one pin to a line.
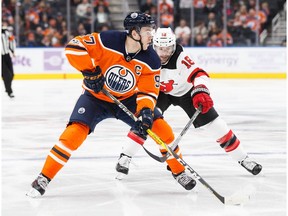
pixel 35 118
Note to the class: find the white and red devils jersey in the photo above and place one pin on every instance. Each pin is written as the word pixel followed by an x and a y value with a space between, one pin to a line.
pixel 178 74
pixel 123 78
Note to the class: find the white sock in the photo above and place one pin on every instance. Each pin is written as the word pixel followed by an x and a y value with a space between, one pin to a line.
pixel 131 148
pixel 238 154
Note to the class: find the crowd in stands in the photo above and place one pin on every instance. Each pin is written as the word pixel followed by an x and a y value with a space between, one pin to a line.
pixel 43 23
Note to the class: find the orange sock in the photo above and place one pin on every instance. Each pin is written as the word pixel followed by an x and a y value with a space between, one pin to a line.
pixel 164 131
pixel 72 137
pixel 175 166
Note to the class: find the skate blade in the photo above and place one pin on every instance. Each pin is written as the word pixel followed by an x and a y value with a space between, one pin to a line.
pixel 33 193
pixel 120 176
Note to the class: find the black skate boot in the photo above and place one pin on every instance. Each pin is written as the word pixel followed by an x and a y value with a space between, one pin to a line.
pixel 38 186
pixel 122 167
pixel 186 181
pixel 251 166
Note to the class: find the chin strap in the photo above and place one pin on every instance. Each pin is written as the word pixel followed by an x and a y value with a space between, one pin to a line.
pixel 139 41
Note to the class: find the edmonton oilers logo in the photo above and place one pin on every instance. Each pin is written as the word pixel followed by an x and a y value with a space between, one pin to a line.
pixel 120 79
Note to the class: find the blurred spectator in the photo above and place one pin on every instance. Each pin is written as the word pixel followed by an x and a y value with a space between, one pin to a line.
pixel 102 17
pixel 31 40
pixel 198 9
pixel 261 16
pixel 154 12
pixel 183 33
pixel 251 4
pixel 46 41
pixel 185 10
pixel 81 30
pixel 225 34
pixel 64 33
pixel 166 7
pixel 213 30
pixel 199 41
pixel 200 4
pixel 243 13
pixel 103 4
pixel 252 20
pixel 82 9
pixel 38 35
pixel 214 41
pixel 39 18
pixel 59 20
pixel 212 6
pixel 146 7
pixel 7 15
pixel 211 21
pixel 103 27
pixel 229 9
pixel 266 10
pixel 56 39
pixel 44 23
pixel 166 18
pixel 32 19
pixel 200 28
pixel 237 21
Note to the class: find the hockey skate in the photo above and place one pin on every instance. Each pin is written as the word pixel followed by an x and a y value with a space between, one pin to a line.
pixel 122 167
pixel 251 166
pixel 38 186
pixel 186 181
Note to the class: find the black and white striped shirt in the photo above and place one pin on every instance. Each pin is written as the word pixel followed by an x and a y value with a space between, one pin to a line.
pixel 8 42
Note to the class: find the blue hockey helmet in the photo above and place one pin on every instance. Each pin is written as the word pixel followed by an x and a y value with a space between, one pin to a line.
pixel 137 20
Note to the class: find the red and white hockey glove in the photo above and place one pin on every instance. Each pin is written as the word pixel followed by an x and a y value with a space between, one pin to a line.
pixel 201 95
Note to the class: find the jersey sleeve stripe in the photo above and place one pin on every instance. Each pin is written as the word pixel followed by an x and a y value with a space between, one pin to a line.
pixel 75 47
pixel 197 71
pixel 75 52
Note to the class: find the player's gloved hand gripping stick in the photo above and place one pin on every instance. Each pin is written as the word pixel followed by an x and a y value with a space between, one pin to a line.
pixel 201 95
pixel 237 199
pixel 94 80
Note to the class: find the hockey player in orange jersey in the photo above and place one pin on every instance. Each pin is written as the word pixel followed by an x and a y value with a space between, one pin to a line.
pixel 126 65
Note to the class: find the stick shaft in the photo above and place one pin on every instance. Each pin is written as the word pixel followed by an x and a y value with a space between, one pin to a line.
pixel 170 151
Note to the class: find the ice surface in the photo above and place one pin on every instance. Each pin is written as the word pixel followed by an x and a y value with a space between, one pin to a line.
pixel 34 119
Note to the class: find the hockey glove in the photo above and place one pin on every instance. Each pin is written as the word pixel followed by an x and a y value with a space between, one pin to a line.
pixel 145 121
pixel 94 80
pixel 201 95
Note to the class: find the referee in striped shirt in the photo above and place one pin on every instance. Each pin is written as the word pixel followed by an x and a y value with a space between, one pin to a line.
pixel 8 48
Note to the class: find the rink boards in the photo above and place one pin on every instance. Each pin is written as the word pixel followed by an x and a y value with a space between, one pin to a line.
pixel 236 62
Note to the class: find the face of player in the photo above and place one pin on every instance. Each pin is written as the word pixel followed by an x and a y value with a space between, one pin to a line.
pixel 164 53
pixel 147 34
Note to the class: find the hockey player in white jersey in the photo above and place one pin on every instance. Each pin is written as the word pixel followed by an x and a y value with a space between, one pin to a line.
pixel 185 84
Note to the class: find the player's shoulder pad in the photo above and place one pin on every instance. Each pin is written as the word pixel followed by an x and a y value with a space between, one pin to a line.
pixel 150 57
pixel 113 39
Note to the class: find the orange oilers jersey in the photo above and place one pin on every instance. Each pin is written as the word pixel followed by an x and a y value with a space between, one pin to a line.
pixel 140 75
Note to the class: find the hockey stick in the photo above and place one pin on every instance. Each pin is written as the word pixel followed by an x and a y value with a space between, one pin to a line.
pixel 185 129
pixel 187 126
pixel 237 199
pixel 131 115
